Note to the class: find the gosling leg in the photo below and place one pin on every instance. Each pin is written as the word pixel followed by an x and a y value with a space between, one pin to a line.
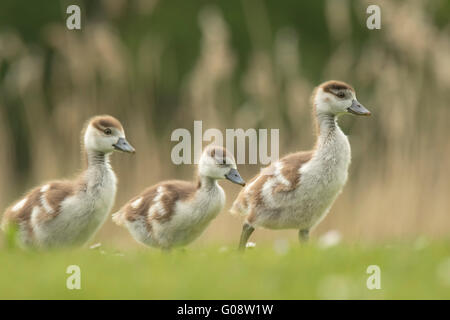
pixel 247 230
pixel 303 236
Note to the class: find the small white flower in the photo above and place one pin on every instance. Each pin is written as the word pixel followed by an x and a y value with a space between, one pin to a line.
pixel 250 245
pixel 330 239
pixel 95 246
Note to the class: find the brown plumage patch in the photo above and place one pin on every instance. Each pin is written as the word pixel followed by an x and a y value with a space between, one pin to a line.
pixel 253 198
pixel 172 191
pixel 103 122
pixel 133 213
pixel 22 217
pixel 257 197
pixel 334 85
pixel 57 192
pixel 291 165
pixel 54 196
pixel 219 153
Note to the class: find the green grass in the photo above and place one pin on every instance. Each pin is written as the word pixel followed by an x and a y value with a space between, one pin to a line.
pixel 407 272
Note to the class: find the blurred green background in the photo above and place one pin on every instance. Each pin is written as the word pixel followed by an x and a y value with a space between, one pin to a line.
pixel 159 65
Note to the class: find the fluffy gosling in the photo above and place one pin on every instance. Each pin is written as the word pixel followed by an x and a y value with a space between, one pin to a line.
pixel 174 213
pixel 68 213
pixel 298 190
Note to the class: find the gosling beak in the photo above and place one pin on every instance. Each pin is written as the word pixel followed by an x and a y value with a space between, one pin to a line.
pixel 124 146
pixel 358 109
pixel 235 177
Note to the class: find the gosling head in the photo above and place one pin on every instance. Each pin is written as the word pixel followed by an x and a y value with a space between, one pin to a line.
pixel 105 134
pixel 337 98
pixel 217 163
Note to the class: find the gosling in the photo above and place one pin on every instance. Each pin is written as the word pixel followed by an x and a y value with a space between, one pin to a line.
pixel 68 213
pixel 174 213
pixel 298 190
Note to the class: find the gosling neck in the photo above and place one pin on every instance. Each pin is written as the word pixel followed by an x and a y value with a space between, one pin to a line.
pixel 206 183
pixel 327 128
pixel 97 159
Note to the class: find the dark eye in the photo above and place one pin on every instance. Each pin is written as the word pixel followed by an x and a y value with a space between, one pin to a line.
pixel 341 95
pixel 107 131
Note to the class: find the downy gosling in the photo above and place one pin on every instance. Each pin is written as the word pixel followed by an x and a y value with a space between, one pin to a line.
pixel 68 213
pixel 298 190
pixel 174 213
